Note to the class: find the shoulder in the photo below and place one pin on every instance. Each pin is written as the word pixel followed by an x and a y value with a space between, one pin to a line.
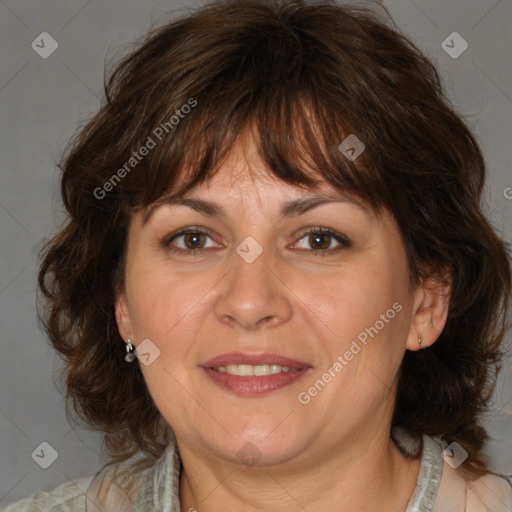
pixel 445 487
pixel 67 497
pixel 491 493
pixel 488 493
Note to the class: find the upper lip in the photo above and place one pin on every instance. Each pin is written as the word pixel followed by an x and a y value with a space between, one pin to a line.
pixel 253 360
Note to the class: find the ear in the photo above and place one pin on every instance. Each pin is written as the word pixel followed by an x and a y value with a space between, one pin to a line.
pixel 431 302
pixel 123 315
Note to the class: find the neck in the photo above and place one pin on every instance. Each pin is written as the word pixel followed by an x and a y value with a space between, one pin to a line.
pixel 361 476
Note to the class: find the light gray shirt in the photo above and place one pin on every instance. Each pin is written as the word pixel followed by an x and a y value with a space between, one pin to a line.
pixel 439 488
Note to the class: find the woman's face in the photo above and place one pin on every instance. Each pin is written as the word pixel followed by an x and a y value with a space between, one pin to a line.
pixel 259 293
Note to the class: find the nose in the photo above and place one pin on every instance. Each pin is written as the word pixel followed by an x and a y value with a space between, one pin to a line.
pixel 254 295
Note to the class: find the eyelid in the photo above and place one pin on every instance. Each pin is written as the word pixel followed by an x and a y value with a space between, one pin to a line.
pixel 343 241
pixel 166 241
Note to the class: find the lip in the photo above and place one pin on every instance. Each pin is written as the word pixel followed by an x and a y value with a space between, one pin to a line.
pixel 251 386
pixel 254 360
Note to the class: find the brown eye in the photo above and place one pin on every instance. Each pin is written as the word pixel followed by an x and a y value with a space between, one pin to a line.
pixel 319 241
pixel 193 240
pixel 190 240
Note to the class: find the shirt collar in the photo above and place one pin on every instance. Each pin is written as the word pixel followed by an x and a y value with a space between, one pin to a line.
pixel 159 491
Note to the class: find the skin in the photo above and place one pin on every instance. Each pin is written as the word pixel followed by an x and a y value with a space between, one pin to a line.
pixel 333 453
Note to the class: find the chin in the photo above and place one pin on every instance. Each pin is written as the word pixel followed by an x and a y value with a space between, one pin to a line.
pixel 256 447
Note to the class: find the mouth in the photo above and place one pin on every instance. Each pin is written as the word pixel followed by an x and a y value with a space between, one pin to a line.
pixel 253 375
pixel 247 370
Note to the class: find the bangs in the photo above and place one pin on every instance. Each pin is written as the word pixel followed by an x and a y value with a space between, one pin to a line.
pixel 297 138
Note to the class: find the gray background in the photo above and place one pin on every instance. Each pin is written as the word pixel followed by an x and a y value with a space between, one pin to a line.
pixel 42 101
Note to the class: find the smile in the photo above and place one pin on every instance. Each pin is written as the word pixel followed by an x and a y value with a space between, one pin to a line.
pixel 254 375
pixel 247 370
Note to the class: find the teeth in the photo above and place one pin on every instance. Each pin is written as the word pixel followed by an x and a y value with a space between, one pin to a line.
pixel 247 370
pixel 262 369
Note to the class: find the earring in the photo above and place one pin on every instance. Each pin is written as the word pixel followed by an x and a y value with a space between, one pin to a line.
pixel 130 355
pixel 420 339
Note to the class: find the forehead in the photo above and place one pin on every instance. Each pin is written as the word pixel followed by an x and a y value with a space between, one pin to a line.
pixel 244 171
pixel 243 179
pixel 288 199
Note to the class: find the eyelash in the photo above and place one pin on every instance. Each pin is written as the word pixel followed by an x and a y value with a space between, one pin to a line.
pixel 343 241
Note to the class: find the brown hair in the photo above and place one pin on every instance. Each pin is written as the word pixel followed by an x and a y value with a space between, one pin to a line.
pixel 305 76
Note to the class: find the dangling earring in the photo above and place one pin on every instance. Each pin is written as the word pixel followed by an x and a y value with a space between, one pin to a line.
pixel 420 339
pixel 130 349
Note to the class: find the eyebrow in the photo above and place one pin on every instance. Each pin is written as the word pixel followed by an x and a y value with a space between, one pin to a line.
pixel 289 208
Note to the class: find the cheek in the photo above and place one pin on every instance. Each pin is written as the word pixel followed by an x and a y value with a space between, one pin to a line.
pixel 349 301
pixel 364 341
pixel 165 306
pixel 362 313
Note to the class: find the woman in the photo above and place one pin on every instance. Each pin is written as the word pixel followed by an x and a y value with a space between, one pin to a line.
pixel 276 287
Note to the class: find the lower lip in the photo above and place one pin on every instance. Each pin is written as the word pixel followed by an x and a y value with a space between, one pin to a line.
pixel 254 386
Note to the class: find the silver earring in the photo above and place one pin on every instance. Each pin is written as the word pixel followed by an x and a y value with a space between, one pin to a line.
pixel 420 339
pixel 130 349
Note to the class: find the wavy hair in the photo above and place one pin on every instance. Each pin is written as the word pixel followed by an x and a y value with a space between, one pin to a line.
pixel 305 75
